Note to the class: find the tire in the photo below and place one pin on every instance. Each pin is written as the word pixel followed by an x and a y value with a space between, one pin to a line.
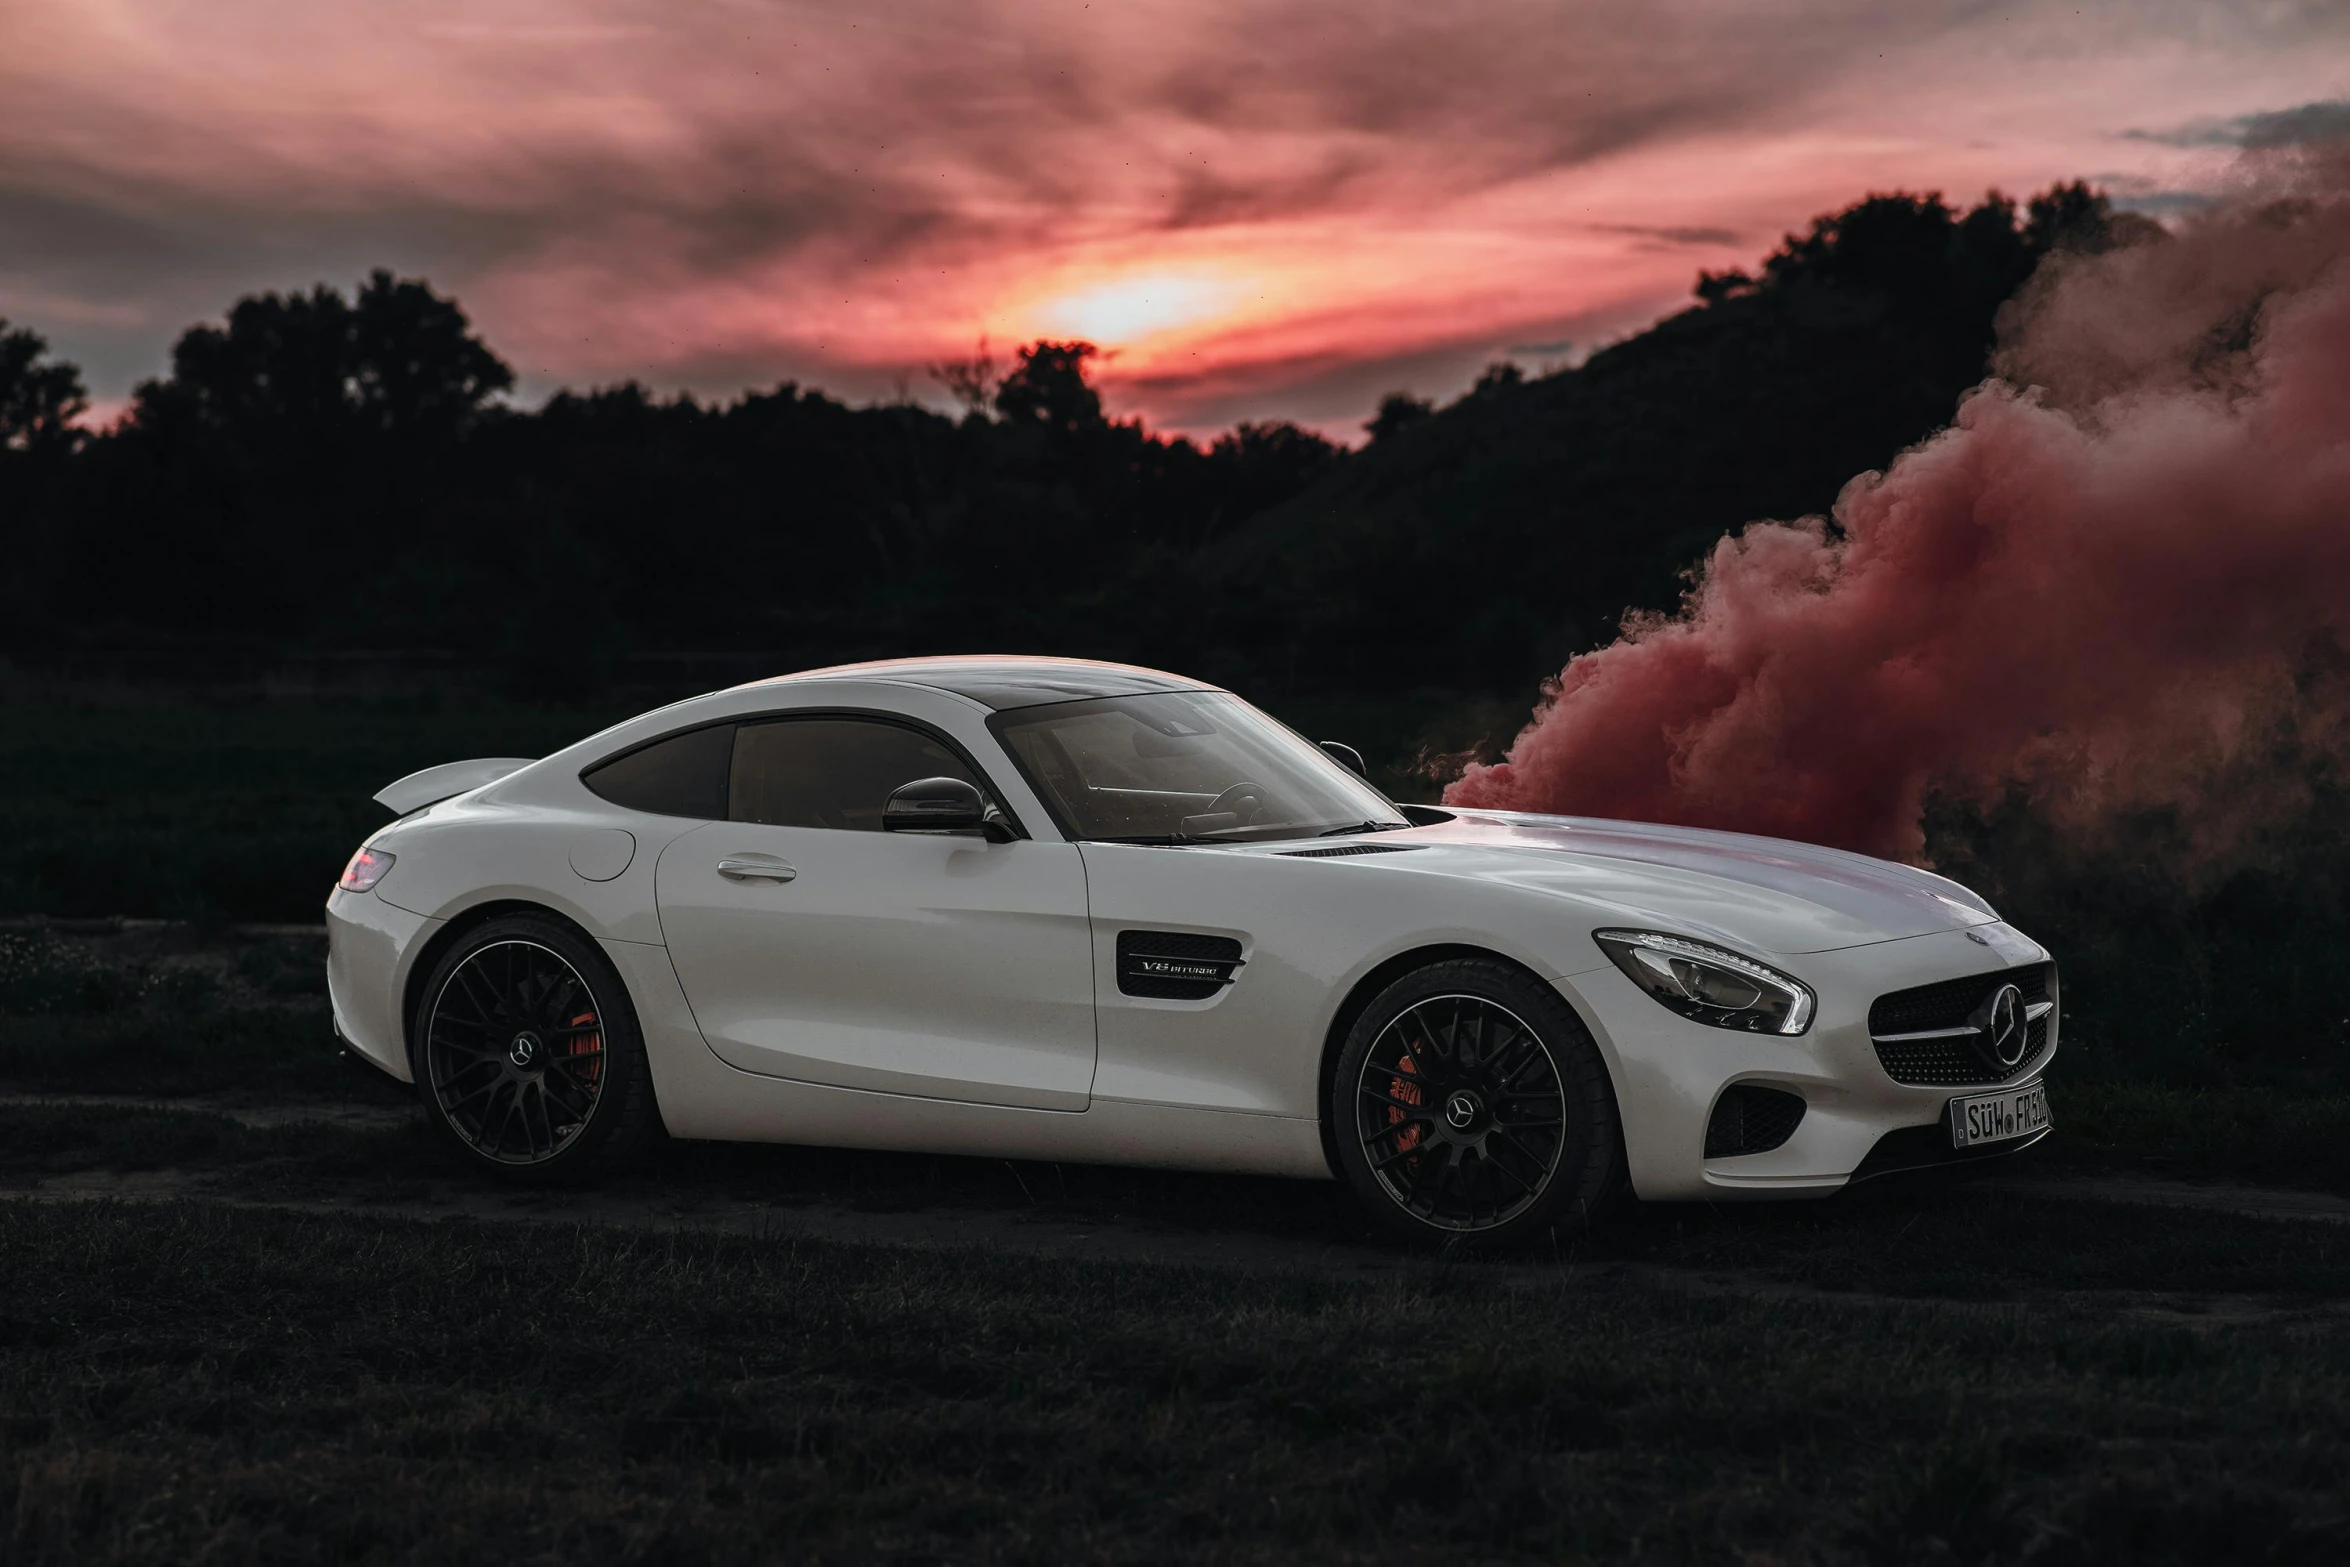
pixel 527 1053
pixel 1471 1109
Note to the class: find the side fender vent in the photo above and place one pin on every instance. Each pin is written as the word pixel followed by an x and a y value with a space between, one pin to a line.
pixel 1750 1118
pixel 1172 965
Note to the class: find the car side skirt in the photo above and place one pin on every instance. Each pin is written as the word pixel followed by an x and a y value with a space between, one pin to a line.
pixel 701 1097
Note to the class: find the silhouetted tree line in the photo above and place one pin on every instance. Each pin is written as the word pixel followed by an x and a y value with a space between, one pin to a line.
pixel 331 472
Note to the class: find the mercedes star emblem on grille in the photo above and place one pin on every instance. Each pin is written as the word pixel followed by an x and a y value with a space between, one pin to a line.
pixel 2005 1033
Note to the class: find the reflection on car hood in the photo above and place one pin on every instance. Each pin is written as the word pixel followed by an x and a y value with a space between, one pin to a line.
pixel 1754 892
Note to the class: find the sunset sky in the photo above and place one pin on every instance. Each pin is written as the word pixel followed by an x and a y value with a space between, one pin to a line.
pixel 1257 209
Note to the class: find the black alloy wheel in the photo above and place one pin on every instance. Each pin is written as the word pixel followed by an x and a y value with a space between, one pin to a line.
pixel 1470 1107
pixel 527 1052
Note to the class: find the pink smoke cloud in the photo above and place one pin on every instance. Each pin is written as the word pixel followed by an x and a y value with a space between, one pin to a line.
pixel 2102 583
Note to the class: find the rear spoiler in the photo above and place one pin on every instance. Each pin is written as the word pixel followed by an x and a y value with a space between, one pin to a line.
pixel 433 784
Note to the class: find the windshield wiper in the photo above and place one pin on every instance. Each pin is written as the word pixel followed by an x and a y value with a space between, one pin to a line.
pixel 1355 827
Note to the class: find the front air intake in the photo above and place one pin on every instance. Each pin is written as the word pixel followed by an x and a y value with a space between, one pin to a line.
pixel 1749 1118
pixel 1175 965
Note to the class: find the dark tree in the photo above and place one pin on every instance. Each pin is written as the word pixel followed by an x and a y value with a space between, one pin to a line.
pixel 1895 245
pixel 1048 387
pixel 1497 378
pixel 399 360
pixel 2070 217
pixel 1398 412
pixel 281 364
pixel 416 367
pixel 40 397
pixel 1715 287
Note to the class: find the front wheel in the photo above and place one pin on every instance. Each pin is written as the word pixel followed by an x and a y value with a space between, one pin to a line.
pixel 527 1052
pixel 1470 1107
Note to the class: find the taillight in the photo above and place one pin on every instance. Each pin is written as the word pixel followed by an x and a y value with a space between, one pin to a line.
pixel 367 867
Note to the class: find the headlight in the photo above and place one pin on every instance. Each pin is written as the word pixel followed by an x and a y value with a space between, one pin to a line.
pixel 1709 985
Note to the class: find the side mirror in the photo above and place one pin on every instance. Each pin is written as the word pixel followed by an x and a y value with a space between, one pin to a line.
pixel 1348 757
pixel 943 805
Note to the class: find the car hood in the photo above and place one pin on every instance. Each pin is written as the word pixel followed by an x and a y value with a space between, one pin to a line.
pixel 1762 893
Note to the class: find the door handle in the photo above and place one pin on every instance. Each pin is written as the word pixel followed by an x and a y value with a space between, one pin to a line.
pixel 734 869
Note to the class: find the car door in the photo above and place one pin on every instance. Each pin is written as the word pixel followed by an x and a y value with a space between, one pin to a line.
pixel 813 945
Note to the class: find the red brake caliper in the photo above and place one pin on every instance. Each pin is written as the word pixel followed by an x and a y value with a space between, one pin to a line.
pixel 1409 1138
pixel 588 1045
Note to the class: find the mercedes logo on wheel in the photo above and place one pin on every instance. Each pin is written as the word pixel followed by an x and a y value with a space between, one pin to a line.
pixel 1460 1111
pixel 524 1052
pixel 2003 1034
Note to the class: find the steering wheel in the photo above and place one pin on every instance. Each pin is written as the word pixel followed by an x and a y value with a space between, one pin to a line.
pixel 1229 800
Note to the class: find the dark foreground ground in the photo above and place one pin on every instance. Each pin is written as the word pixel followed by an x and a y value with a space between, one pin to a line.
pixel 204 1383
pixel 306 1336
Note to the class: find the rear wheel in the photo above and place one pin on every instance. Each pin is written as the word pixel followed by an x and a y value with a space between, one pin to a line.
pixel 527 1052
pixel 1470 1107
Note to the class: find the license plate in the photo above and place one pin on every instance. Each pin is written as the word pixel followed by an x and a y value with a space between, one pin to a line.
pixel 1997 1118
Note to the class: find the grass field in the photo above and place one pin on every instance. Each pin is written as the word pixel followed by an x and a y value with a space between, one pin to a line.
pixel 197 1382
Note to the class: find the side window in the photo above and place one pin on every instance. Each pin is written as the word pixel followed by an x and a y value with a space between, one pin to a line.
pixel 831 772
pixel 684 775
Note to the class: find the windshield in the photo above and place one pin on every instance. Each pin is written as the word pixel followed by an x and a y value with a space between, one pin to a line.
pixel 1184 767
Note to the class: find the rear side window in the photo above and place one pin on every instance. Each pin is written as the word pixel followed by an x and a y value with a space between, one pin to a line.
pixel 832 772
pixel 684 775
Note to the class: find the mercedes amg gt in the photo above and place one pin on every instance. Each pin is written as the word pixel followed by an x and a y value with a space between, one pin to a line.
pixel 1050 909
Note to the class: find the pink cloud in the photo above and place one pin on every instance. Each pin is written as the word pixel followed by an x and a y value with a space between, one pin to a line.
pixel 1243 200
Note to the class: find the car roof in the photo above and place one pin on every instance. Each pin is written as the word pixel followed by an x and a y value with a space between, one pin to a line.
pixel 1003 681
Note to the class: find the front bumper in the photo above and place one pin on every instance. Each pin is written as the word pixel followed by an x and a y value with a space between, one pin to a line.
pixel 1670 1072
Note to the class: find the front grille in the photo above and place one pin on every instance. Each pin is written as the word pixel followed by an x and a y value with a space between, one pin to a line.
pixel 1750 1118
pixel 1175 965
pixel 1955 1062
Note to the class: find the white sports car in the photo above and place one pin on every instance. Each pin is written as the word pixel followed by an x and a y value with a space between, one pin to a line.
pixel 1049 909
